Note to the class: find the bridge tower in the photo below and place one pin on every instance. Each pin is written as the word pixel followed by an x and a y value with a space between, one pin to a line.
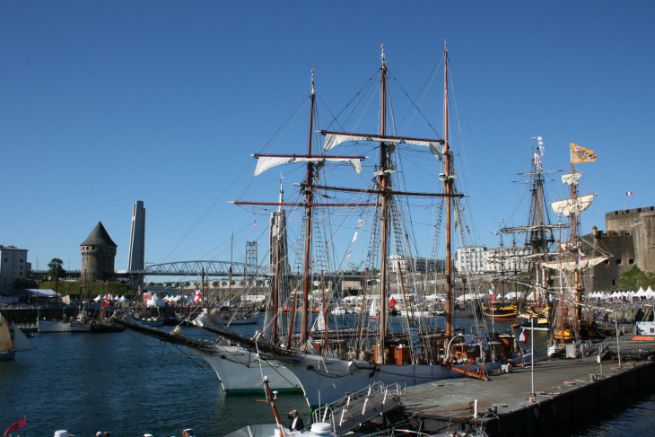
pixel 251 256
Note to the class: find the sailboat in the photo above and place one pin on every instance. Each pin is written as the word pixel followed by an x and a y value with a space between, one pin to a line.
pixel 12 340
pixel 240 369
pixel 394 357
pixel 539 240
pixel 568 325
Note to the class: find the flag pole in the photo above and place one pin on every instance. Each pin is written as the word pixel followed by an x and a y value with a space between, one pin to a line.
pixel 533 396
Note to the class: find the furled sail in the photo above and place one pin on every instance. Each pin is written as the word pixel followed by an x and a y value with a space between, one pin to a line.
pixel 571 178
pixel 575 206
pixel 334 139
pixel 570 266
pixel 267 162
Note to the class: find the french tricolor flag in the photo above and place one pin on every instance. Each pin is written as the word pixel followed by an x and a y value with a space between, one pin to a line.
pixel 629 193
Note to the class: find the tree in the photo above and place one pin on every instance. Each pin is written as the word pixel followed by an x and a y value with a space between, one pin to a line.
pixel 635 278
pixel 56 266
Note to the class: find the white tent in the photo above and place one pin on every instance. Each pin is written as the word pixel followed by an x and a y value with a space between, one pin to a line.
pixel 466 297
pixel 650 293
pixel 155 301
pixel 511 295
pixel 435 296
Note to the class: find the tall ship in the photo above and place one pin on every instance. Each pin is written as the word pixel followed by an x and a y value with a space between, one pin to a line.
pixel 531 307
pixel 408 350
pixel 572 262
pixel 389 339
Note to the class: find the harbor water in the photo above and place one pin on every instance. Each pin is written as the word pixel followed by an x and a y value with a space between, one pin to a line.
pixel 125 383
pixel 130 384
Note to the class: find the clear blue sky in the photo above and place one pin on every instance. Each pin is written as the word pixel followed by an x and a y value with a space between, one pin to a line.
pixel 103 103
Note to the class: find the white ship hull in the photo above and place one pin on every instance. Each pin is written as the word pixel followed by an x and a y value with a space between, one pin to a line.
pixel 239 372
pixel 326 379
pixel 53 326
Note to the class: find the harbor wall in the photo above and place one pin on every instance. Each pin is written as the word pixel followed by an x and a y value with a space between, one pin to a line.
pixel 640 223
pixel 576 409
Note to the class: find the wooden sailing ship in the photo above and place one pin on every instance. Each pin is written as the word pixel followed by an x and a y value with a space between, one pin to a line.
pixel 533 309
pixel 568 324
pixel 379 354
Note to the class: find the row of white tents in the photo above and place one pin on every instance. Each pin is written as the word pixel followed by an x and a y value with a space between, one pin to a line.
pixel 109 297
pixel 619 295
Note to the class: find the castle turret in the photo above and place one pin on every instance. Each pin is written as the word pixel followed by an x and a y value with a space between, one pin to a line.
pixel 98 254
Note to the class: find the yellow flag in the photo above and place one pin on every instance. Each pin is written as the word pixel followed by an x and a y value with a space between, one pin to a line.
pixel 581 154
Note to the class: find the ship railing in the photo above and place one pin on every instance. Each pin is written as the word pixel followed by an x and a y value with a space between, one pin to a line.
pixel 355 408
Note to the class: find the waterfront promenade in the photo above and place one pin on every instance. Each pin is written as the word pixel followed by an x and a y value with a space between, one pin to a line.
pixel 569 394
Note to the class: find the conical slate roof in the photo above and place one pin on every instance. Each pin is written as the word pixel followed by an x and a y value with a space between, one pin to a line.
pixel 98 237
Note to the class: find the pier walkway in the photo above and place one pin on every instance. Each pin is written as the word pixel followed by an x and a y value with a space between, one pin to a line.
pixel 568 394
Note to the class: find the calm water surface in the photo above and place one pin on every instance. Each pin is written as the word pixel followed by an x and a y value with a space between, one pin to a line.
pixel 126 383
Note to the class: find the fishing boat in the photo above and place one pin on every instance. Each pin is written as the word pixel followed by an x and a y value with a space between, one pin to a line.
pixel 104 324
pixel 58 326
pixel 12 340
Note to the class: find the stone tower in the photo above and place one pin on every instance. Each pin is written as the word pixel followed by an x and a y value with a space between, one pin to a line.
pixel 98 254
pixel 640 224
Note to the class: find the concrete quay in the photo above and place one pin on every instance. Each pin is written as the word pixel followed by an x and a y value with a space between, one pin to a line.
pixel 569 395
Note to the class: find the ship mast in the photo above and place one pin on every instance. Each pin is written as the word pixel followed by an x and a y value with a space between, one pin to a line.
pixel 384 184
pixel 277 266
pixel 447 179
pixel 538 221
pixel 268 161
pixel 540 235
pixel 577 279
pixel 309 198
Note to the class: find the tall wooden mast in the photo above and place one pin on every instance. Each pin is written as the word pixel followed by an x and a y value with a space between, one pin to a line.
pixel 577 274
pixel 309 198
pixel 448 188
pixel 384 184
pixel 278 265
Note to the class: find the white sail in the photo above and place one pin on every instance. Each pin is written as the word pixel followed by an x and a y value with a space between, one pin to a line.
pixel 571 178
pixel 21 342
pixel 267 162
pixel 373 309
pixel 570 266
pixel 333 140
pixel 5 338
pixel 575 206
pixel 319 323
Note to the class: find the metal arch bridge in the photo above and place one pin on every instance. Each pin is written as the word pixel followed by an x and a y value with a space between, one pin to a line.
pixel 206 267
